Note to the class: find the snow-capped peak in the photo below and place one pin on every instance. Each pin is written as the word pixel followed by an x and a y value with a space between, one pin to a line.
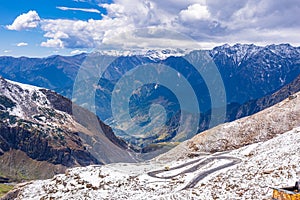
pixel 163 54
pixel 263 151
pixel 153 54
pixel 284 50
pixel 22 95
pixel 237 52
pixel 25 86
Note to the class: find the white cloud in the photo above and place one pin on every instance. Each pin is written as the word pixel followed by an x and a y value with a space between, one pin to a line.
pixel 55 43
pixel 266 14
pixel 55 36
pixel 208 22
pixel 21 44
pixel 149 38
pixel 195 12
pixel 25 21
pixel 121 17
pixel 77 52
pixel 92 10
pixel 263 37
pixel 80 34
pixel 7 51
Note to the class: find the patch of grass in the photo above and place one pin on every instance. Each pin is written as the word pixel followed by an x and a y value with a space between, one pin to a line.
pixel 4 189
pixel 22 176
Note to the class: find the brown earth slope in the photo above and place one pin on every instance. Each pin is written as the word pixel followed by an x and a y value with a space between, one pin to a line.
pixel 40 137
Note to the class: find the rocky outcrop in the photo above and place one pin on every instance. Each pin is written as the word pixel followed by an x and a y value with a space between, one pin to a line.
pixel 250 172
pixel 39 123
pixel 65 105
pixel 38 146
pixel 250 74
pixel 259 127
pixel 58 102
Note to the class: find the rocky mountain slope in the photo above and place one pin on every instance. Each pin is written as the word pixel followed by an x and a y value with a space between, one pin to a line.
pixel 259 167
pixel 236 111
pixel 186 172
pixel 52 72
pixel 39 137
pixel 254 106
pixel 259 127
pixel 258 70
pixel 249 73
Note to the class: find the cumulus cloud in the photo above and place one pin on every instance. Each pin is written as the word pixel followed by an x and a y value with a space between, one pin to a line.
pixel 209 22
pixel 77 51
pixel 92 10
pixel 266 14
pixel 195 12
pixel 122 16
pixel 22 44
pixel 55 36
pixel 78 34
pixel 25 21
pixel 55 43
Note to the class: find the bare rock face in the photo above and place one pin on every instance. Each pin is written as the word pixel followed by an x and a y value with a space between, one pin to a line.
pixel 260 127
pixel 249 72
pixel 263 155
pixel 39 123
pixel 252 170
pixel 256 128
pixel 65 105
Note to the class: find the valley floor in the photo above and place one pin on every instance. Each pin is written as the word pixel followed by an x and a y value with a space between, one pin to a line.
pixel 245 173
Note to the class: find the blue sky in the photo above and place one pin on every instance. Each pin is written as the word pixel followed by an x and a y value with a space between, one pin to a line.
pixel 12 40
pixel 32 28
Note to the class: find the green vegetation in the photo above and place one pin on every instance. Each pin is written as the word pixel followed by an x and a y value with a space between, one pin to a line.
pixel 22 176
pixel 5 188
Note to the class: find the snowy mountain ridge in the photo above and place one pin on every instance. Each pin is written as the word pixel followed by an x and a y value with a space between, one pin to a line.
pixel 260 168
pixel 259 127
pixel 241 52
pixel 37 126
pixel 237 51
pixel 28 102
pixel 152 54
pixel 190 171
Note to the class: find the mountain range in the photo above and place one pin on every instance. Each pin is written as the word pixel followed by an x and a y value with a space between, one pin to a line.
pixel 268 67
pixel 235 160
pixel 251 76
pixel 43 133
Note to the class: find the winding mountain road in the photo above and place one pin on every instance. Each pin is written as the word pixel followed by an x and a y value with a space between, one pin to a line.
pixel 201 162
